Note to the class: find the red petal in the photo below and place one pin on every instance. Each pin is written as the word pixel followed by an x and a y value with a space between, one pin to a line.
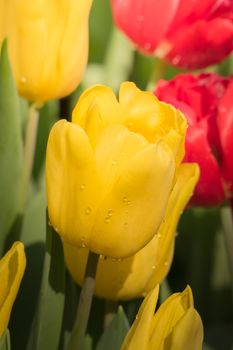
pixel 145 22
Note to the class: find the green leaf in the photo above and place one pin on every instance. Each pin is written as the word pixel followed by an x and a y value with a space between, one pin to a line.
pixel 5 343
pixel 48 116
pixel 10 147
pixel 115 333
pixel 33 235
pixel 48 319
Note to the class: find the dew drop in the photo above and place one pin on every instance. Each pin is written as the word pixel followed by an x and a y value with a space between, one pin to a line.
pixel 125 199
pixel 56 229
pixel 102 257
pixel 128 202
pixel 176 59
pixel 110 211
pixel 114 162
pixel 126 224
pixel 159 235
pixel 130 124
pixel 83 245
pixel 23 80
pixel 136 317
pixel 107 220
pixel 147 46
pixel 166 263
pixel 153 267
pixel 82 187
pixel 88 211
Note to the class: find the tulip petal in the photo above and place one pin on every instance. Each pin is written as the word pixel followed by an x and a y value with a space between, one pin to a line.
pixel 187 333
pixel 73 183
pixel 187 177
pixel 139 334
pixel 12 267
pixel 168 314
pixel 145 183
pixel 102 98
pixel 225 125
pixel 144 22
pixel 209 190
pixel 201 44
pixel 150 117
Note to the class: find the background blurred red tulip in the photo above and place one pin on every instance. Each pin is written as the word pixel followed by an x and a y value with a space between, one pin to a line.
pixel 206 101
pixel 188 34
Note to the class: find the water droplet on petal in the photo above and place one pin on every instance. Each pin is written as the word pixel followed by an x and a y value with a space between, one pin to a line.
pixel 176 59
pixel 107 219
pixel 114 162
pixel 166 263
pixel 23 80
pixel 110 212
pixel 125 199
pixel 130 124
pixel 88 211
pixel 153 267
pixel 82 187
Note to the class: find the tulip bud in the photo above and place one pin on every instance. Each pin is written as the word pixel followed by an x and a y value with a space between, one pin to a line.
pixel 12 267
pixel 125 278
pixel 48 45
pixel 175 325
pixel 188 34
pixel 110 172
pixel 206 101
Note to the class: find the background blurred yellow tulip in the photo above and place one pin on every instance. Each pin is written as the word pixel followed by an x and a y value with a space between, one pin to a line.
pixel 48 45
pixel 134 276
pixel 12 267
pixel 176 325
pixel 110 172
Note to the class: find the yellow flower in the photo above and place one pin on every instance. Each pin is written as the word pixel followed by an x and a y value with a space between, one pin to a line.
pixel 48 45
pixel 110 172
pixel 12 267
pixel 135 276
pixel 175 326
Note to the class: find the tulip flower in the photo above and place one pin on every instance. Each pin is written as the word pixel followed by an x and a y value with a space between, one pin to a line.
pixel 188 34
pixel 176 325
pixel 12 267
pixel 110 171
pixel 206 101
pixel 48 45
pixel 126 279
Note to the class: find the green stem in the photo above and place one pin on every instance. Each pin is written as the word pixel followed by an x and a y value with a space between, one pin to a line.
pixel 84 306
pixel 29 152
pixel 158 73
pixel 227 224
pixel 110 312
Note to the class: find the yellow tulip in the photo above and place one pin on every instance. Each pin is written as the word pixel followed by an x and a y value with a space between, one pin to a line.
pixel 111 171
pixel 135 276
pixel 176 325
pixel 48 44
pixel 12 267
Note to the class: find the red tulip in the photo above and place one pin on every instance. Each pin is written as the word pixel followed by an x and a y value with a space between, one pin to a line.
pixel 206 101
pixel 189 34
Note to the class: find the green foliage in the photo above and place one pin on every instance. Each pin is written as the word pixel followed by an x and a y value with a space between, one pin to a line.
pixel 47 324
pixel 115 333
pixel 5 343
pixel 10 147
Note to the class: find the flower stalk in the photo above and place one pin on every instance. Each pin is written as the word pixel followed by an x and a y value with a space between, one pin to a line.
pixel 85 301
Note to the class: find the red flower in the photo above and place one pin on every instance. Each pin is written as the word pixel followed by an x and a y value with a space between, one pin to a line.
pixel 206 101
pixel 190 34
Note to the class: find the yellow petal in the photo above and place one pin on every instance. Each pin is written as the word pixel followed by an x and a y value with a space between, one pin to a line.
pixel 137 203
pixel 101 98
pixel 116 279
pixel 48 45
pixel 139 334
pixel 12 267
pixel 187 177
pixel 73 183
pixel 167 316
pixel 187 333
